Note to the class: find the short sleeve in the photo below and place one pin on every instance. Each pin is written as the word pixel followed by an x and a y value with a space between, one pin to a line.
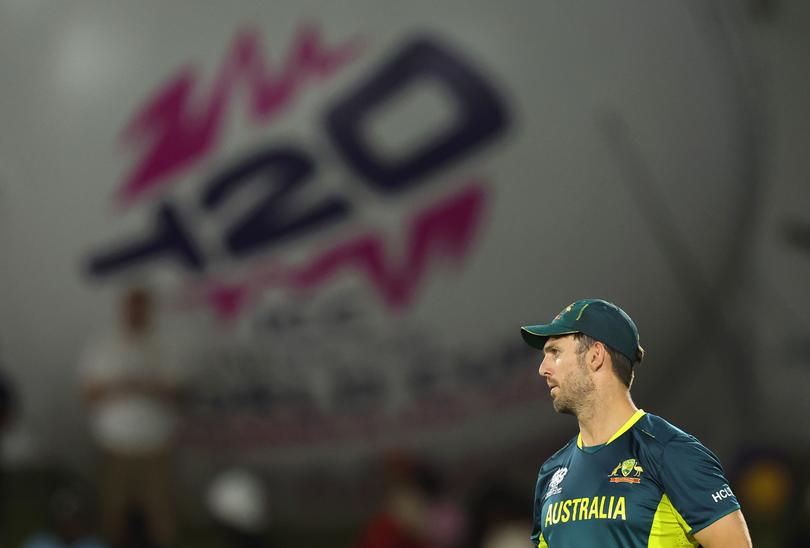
pixel 695 483
pixel 537 531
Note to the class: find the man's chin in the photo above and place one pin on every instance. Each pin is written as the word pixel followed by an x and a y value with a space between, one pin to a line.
pixel 562 407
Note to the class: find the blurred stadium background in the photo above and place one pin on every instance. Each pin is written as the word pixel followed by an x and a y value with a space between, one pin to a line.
pixel 346 209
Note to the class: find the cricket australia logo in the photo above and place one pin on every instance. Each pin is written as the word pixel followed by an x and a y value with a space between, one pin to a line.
pixel 622 472
pixel 556 480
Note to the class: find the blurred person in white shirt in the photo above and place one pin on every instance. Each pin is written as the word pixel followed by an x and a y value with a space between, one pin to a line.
pixel 130 382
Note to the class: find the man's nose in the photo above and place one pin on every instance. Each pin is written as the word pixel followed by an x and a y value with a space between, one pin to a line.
pixel 543 369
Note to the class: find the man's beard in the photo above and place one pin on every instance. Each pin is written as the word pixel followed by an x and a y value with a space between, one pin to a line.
pixel 578 391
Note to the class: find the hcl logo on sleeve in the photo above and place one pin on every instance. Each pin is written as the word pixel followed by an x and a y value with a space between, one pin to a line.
pixel 723 493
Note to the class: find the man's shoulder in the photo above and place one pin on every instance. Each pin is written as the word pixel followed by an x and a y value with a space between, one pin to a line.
pixel 559 457
pixel 656 431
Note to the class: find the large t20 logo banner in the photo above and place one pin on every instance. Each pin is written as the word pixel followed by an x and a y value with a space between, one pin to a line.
pixel 323 364
pixel 174 133
pixel 352 222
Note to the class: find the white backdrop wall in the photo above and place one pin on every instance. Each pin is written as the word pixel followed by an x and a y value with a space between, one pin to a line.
pixel 460 172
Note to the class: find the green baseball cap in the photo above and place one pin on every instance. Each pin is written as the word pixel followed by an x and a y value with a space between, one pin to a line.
pixel 596 318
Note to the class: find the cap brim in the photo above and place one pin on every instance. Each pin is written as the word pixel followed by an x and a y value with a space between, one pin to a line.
pixel 537 335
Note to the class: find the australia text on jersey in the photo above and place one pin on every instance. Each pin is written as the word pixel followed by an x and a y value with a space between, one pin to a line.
pixel 586 508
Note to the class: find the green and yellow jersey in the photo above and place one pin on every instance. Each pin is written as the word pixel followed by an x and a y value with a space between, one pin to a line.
pixel 650 485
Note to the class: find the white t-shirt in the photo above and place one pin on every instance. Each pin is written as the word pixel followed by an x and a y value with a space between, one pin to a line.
pixel 133 423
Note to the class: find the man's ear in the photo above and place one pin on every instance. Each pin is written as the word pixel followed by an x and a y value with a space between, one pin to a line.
pixel 597 356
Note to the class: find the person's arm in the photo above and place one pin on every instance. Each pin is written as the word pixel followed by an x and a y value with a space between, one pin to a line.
pixel 730 531
pixel 696 484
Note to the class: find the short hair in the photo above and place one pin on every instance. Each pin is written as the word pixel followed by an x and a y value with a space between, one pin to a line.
pixel 622 366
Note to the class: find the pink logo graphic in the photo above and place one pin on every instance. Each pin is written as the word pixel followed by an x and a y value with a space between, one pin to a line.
pixel 178 126
pixel 446 229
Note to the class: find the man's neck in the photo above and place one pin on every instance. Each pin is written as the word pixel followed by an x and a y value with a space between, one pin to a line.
pixel 603 418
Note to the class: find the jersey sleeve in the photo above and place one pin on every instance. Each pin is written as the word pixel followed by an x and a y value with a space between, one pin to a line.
pixel 537 530
pixel 695 483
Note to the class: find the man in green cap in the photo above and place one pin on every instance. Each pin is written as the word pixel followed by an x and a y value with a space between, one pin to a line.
pixel 629 478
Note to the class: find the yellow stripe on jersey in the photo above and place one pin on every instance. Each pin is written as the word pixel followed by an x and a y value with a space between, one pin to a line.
pixel 625 427
pixel 542 542
pixel 669 528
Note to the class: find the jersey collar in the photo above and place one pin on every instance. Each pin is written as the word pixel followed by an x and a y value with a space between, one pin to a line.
pixel 625 427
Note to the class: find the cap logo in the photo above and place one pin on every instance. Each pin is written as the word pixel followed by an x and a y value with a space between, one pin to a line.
pixel 565 310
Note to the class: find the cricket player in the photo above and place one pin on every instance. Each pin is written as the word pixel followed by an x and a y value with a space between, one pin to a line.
pixel 629 478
